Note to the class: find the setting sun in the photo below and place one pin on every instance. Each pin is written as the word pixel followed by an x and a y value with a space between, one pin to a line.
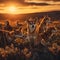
pixel 12 9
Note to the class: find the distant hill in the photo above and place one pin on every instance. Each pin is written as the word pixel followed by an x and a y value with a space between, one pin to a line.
pixel 55 15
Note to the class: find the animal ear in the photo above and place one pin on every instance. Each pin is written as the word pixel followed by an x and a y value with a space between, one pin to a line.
pixel 27 20
pixel 36 19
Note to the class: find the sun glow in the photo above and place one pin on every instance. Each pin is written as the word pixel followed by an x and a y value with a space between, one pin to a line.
pixel 11 9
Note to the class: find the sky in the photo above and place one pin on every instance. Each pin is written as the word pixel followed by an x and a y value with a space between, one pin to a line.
pixel 39 1
pixel 30 9
pixel 15 8
pixel 42 0
pixel 3 1
pixel 24 0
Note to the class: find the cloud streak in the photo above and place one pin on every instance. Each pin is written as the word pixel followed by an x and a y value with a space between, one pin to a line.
pixel 41 0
